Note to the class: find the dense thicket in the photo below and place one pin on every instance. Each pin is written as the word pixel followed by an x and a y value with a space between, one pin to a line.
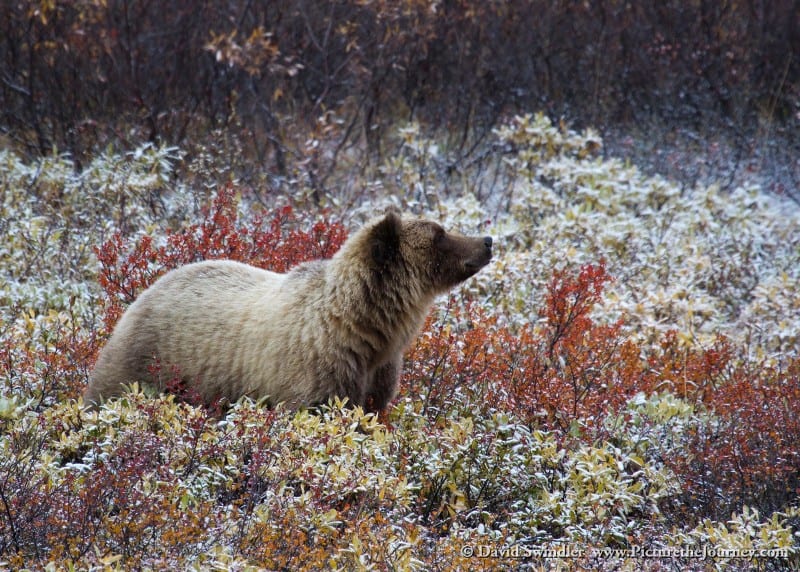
pixel 78 73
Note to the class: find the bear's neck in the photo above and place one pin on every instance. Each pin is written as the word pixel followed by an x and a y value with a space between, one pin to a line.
pixel 383 311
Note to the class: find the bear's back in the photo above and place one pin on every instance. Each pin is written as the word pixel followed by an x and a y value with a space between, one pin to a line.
pixel 191 317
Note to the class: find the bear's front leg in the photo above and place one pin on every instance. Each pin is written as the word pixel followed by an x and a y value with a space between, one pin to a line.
pixel 382 385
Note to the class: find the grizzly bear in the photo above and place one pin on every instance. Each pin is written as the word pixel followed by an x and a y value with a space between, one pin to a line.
pixel 327 328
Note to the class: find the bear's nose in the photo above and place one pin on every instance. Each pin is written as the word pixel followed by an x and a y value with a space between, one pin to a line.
pixel 487 240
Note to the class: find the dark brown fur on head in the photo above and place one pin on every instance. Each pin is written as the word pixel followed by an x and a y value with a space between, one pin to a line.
pixel 439 258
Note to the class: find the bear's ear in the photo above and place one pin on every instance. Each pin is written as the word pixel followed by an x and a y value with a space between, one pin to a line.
pixel 385 238
pixel 393 209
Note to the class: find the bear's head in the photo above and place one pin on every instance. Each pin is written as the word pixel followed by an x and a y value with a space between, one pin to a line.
pixel 421 253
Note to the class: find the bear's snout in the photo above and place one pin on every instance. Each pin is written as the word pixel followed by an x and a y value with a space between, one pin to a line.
pixel 487 244
pixel 481 255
